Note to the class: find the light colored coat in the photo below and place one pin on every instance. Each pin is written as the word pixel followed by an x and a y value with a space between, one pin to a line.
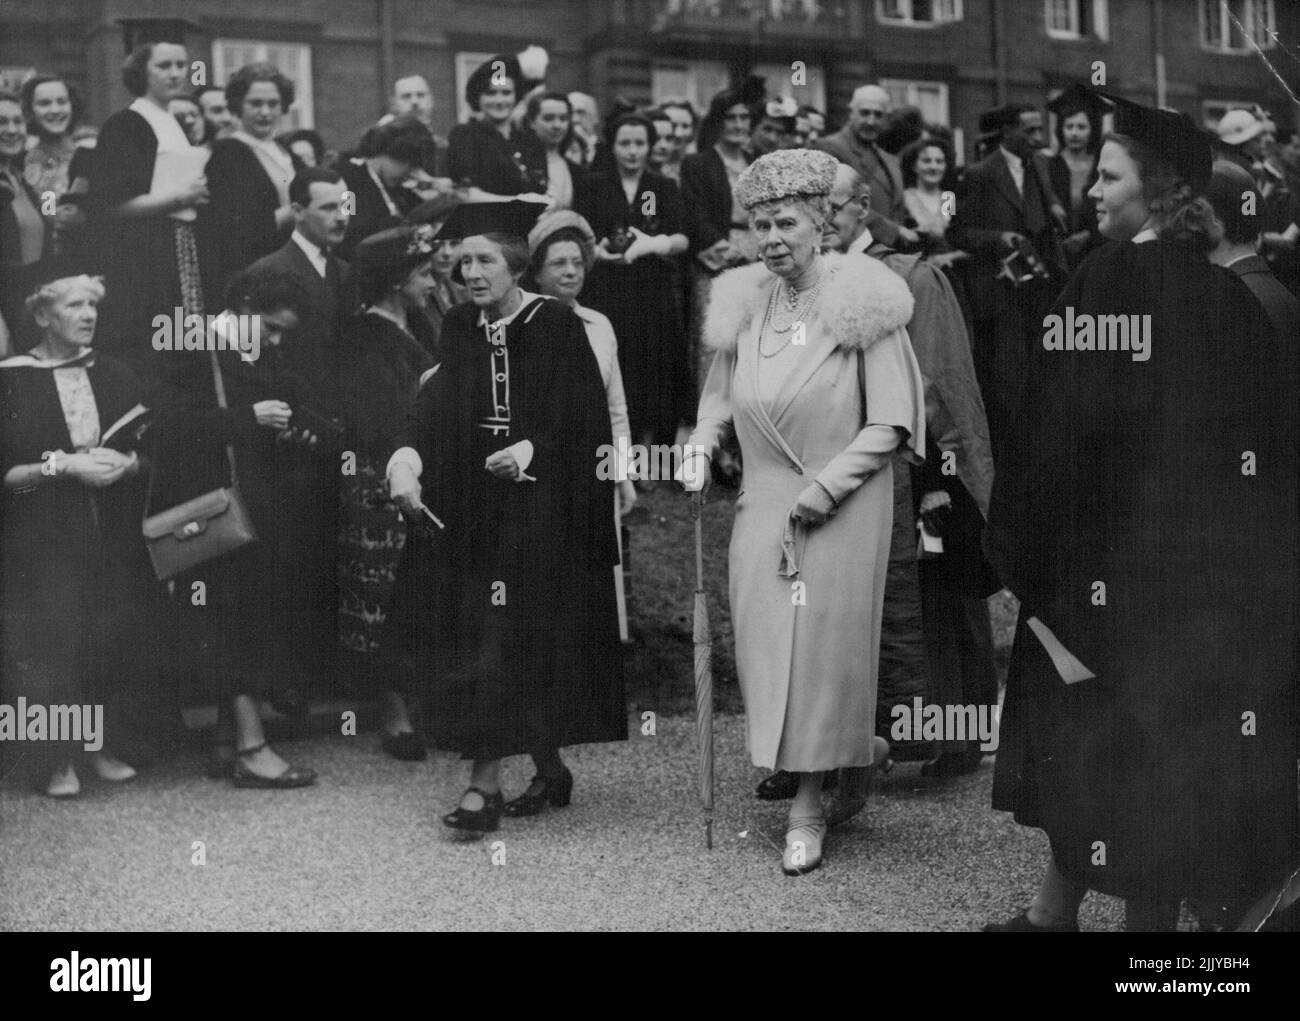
pixel 806 611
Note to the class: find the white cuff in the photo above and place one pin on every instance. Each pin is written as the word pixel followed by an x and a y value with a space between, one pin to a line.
pixel 523 455
pixel 408 456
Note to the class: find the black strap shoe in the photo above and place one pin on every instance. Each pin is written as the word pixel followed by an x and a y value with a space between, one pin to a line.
pixel 481 820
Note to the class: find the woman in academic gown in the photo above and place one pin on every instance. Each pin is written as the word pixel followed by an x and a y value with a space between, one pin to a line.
pixel 76 586
pixel 637 216
pixel 514 601
pixel 144 229
pixel 814 372
pixel 1146 518
pixel 249 214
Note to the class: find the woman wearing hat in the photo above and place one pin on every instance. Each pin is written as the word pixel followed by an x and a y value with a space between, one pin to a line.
pixel 814 372
pixel 1145 516
pixel 497 465
pixel 490 157
pixel 385 356
pixel 385 158
pixel 76 587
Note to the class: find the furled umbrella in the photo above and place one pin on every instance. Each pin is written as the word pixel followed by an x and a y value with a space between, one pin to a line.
pixel 703 677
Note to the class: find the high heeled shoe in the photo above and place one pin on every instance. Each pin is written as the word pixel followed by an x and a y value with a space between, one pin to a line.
pixel 803 845
pixel 783 785
pixel 477 820
pixel 555 792
pixel 293 776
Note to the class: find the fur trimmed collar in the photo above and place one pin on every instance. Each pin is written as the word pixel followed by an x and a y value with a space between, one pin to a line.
pixel 863 302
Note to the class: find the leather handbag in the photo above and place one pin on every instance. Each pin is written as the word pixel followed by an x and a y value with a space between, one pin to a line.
pixel 202 529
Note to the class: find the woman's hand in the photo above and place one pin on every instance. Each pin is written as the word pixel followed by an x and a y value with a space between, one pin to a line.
pixel 603 254
pixel 814 506
pixel 695 474
pixel 96 468
pixel 645 244
pixel 273 415
pixel 626 497
pixel 945 259
pixel 404 490
pixel 193 194
pixel 934 500
pixel 502 465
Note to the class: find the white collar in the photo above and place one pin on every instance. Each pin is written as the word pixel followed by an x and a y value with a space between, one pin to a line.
pixel 1144 235
pixel 1013 161
pixel 1233 262
pixel 526 297
pixel 166 128
pixel 862 243
pixel 312 250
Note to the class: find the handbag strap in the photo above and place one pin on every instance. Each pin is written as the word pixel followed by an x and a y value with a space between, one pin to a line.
pixel 219 385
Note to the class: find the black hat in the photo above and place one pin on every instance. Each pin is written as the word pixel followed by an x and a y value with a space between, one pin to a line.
pixel 1078 98
pixel 1170 133
pixel 515 218
pixel 57 267
pixel 385 258
pixel 526 70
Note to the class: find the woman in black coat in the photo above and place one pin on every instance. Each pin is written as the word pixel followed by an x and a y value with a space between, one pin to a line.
pixel 249 214
pixel 246 614
pixel 490 157
pixel 638 219
pixel 1145 516
pixel 76 590
pixel 512 600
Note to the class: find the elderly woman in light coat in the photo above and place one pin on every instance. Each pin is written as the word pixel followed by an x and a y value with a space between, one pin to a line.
pixel 814 371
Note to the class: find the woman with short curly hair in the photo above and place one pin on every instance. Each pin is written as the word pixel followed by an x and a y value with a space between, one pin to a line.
pixel 1145 516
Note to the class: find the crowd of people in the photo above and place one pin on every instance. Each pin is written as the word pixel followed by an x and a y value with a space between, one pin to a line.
pixel 397 492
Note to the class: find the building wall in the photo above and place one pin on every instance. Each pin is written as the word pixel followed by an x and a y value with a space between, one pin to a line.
pixel 607 47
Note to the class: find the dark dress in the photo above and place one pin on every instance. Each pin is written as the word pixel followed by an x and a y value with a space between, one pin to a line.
pixel 381 371
pixel 76 594
pixel 481 156
pixel 509 609
pixel 372 213
pixel 138 257
pixel 262 621
pixel 642 302
pixel 1170 774
pixel 237 227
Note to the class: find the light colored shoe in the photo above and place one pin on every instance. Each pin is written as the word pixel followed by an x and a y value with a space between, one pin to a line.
pixel 803 845
pixel 64 783
pixel 108 768
pixel 855 786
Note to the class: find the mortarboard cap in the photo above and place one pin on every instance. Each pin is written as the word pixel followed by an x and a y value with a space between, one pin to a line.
pixel 515 218
pixel 1173 135
pixel 137 31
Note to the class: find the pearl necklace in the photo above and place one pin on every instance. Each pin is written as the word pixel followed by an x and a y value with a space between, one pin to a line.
pixel 797 307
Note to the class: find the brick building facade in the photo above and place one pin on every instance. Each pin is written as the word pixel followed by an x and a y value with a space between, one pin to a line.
pixel 953 58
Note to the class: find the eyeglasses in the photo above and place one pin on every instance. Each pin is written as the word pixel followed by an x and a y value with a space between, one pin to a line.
pixel 835 209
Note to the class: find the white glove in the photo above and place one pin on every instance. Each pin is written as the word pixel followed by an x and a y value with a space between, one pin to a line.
pixel 646 244
pixel 693 473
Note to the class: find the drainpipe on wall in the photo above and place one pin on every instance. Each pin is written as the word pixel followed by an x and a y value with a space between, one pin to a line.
pixel 1158 50
pixel 385 51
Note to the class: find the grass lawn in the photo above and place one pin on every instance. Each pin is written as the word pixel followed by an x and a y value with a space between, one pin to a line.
pixel 661 586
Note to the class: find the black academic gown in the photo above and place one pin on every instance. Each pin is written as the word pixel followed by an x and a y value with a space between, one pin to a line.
pixel 1172 483
pixel 508 610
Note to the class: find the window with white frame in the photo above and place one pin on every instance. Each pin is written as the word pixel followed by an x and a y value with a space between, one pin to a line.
pixel 931 98
pixel 293 60
pixel 1232 26
pixel 918 12
pixel 1077 19
pixel 696 81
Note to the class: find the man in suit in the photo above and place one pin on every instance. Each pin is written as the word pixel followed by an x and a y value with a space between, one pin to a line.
pixel 856 145
pixel 320 213
pixel 318 198
pixel 1005 204
pixel 1231 189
